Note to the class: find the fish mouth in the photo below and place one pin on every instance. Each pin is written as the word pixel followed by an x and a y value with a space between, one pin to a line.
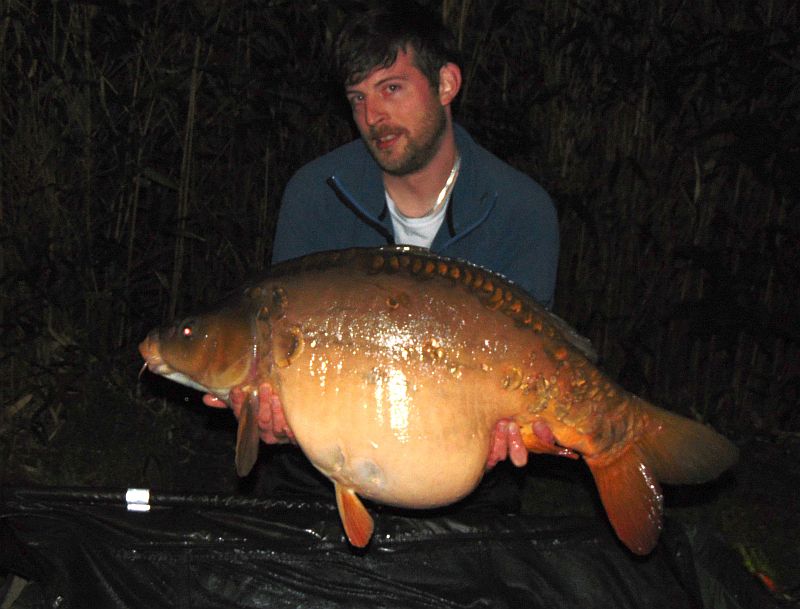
pixel 149 349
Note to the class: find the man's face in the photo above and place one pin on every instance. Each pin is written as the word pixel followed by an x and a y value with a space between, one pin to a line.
pixel 399 115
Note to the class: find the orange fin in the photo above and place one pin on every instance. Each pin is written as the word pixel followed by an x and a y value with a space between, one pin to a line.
pixel 247 436
pixel 632 498
pixel 671 449
pixel 355 518
pixel 681 450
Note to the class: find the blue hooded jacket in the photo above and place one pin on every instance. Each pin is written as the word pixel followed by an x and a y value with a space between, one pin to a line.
pixel 497 217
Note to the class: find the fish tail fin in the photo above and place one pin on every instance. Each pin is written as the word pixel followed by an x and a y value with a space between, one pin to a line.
pixel 672 449
pixel 682 450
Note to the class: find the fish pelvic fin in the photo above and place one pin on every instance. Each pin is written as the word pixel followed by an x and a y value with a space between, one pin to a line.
pixel 247 436
pixel 357 522
pixel 670 449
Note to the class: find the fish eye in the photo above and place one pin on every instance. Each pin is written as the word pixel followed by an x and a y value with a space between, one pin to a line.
pixel 186 328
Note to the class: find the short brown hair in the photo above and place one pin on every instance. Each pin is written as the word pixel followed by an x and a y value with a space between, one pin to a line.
pixel 373 39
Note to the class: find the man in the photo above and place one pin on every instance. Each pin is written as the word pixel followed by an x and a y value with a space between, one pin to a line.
pixel 414 177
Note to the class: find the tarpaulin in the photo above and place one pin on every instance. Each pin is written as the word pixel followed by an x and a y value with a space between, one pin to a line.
pixel 86 548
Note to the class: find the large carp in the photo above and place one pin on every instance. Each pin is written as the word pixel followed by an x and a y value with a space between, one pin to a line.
pixel 393 366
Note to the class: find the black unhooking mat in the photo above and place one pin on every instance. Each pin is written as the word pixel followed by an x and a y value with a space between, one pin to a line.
pixel 84 548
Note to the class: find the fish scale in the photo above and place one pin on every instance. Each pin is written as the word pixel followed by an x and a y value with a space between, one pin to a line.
pixel 393 366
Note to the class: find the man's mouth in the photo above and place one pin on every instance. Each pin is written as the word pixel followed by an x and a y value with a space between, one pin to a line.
pixel 385 140
pixel 383 143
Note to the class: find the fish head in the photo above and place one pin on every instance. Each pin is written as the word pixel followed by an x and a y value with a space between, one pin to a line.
pixel 212 352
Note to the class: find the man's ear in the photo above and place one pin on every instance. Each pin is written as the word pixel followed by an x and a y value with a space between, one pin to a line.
pixel 449 83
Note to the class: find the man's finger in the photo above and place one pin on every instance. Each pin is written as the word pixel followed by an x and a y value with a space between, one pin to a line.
pixel 237 398
pixel 279 419
pixel 213 401
pixel 498 449
pixel 516 447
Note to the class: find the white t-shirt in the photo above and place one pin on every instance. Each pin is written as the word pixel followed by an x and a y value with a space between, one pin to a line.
pixel 415 231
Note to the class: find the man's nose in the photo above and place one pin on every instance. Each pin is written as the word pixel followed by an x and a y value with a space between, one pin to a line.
pixel 374 111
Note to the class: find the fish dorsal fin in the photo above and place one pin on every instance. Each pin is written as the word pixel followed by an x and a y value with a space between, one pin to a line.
pixel 247 436
pixel 356 520
pixel 573 337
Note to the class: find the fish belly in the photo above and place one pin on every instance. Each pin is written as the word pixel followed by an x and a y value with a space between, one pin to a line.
pixel 392 385
pixel 390 436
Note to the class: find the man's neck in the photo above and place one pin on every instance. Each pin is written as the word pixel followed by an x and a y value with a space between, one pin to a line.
pixel 416 194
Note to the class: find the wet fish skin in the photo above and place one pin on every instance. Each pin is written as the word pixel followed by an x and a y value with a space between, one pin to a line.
pixel 393 366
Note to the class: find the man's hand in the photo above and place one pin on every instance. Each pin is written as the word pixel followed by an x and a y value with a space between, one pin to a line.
pixel 507 442
pixel 271 421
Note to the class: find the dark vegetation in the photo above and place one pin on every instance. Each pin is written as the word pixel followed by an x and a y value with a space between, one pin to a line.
pixel 145 146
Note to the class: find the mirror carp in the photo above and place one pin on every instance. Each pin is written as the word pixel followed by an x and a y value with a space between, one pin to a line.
pixel 393 365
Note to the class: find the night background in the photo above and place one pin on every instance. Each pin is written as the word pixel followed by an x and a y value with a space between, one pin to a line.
pixel 145 145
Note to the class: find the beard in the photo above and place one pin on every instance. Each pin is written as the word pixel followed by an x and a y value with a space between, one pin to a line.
pixel 418 151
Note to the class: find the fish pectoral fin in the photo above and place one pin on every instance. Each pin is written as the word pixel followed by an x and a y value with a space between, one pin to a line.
pixel 247 436
pixel 356 520
pixel 631 497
